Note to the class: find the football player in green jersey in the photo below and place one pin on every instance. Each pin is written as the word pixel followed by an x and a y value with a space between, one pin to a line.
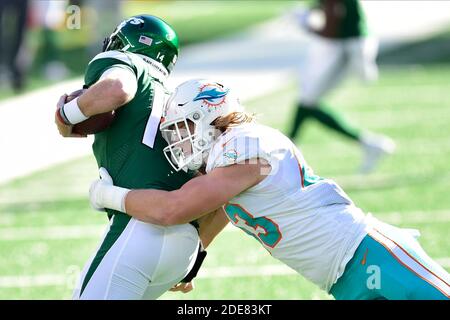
pixel 134 260
pixel 339 44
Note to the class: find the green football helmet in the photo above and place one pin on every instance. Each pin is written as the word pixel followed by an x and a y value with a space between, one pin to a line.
pixel 147 35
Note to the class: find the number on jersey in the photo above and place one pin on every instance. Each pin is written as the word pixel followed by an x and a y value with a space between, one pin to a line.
pixel 263 229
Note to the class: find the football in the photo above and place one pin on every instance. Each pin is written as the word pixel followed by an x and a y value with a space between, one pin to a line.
pixel 95 123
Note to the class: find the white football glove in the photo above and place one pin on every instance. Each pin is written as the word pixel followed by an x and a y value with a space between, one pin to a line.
pixel 103 194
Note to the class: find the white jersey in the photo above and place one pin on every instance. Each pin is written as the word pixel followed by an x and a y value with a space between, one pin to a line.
pixel 307 222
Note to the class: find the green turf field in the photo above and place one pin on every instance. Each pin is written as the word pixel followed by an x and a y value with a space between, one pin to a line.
pixel 48 231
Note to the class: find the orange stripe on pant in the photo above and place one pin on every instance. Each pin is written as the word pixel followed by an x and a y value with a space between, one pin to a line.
pixel 419 269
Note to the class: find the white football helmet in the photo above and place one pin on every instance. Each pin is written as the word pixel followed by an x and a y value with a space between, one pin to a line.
pixel 186 124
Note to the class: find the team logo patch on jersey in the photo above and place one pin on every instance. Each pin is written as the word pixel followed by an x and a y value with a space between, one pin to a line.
pixel 230 156
pixel 212 95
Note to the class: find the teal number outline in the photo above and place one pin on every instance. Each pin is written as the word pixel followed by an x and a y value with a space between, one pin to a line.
pixel 256 224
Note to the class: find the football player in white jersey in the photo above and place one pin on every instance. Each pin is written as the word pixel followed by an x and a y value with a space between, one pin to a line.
pixel 268 190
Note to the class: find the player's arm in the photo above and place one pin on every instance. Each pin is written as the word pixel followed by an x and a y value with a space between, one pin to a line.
pixel 116 87
pixel 194 199
pixel 211 225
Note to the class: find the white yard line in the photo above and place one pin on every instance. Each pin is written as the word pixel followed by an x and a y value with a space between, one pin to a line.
pixel 47 280
pixel 206 273
pixel 239 271
pixel 51 233
pixel 65 232
pixel 267 270
pixel 413 217
pixel 42 280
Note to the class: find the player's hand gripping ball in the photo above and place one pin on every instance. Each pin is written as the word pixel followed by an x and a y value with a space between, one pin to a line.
pixel 95 123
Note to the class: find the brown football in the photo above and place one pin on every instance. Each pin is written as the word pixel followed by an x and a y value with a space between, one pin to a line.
pixel 94 124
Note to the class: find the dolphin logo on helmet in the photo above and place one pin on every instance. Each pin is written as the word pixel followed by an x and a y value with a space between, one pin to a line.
pixel 211 95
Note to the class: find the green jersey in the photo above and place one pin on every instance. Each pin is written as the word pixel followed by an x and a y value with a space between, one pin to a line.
pixel 343 19
pixel 354 22
pixel 121 149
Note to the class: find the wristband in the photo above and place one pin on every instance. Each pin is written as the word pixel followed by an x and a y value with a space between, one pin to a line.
pixel 113 197
pixel 61 116
pixel 71 111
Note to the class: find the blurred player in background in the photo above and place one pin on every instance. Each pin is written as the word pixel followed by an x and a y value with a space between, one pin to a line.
pixel 339 45
pixel 135 260
pixel 13 58
pixel 50 16
pixel 307 222
pixel 111 13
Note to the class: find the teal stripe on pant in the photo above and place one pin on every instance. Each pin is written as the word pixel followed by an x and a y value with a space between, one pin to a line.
pixel 375 273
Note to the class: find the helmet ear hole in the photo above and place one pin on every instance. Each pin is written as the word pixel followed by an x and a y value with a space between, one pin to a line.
pixel 196 116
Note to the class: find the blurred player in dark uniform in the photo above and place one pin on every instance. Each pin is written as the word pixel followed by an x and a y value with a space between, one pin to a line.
pixel 340 45
pixel 13 18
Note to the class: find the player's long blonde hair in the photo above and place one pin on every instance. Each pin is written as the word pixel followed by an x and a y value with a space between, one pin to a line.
pixel 233 119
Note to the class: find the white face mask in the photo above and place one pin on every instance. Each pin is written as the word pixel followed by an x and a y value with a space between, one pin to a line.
pixel 186 148
pixel 186 123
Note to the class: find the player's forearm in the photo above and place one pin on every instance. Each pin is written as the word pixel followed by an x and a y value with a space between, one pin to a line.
pixel 153 206
pixel 167 207
pixel 197 197
pixel 211 225
pixel 104 96
pixel 149 205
